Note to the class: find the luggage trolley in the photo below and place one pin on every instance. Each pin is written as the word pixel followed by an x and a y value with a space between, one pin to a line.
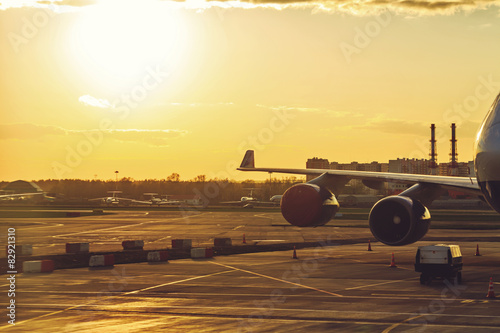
pixel 441 260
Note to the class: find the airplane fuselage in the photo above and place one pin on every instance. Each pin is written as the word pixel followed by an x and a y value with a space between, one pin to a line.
pixel 487 156
pixel 112 201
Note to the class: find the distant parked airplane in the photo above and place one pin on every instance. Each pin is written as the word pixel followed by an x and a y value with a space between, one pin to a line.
pixel 156 201
pixel 250 201
pixel 113 200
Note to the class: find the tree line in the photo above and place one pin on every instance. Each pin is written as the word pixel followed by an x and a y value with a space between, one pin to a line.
pixel 79 190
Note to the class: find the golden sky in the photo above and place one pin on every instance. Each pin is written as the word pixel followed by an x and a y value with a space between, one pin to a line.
pixel 150 88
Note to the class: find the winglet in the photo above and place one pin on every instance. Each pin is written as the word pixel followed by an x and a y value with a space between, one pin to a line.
pixel 249 160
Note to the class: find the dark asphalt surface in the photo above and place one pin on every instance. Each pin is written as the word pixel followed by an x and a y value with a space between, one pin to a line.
pixel 341 288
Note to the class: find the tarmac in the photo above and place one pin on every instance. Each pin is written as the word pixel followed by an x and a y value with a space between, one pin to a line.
pixel 335 284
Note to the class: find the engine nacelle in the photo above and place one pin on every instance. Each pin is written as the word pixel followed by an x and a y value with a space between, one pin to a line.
pixel 308 205
pixel 399 220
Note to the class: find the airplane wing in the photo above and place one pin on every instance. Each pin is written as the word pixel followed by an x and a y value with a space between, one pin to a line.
pixel 117 198
pixel 96 199
pixel 173 202
pixel 250 202
pixel 394 220
pixel 7 196
pixel 123 199
pixel 235 203
pixel 335 179
pixel 142 202
pixel 149 202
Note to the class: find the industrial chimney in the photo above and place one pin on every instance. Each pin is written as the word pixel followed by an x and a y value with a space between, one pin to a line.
pixel 433 163
pixel 453 167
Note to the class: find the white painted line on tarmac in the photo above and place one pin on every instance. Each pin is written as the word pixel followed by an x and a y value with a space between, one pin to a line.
pixel 381 283
pixel 403 295
pixel 263 215
pixel 125 226
pixel 113 296
pixel 175 282
pixel 40 227
pixel 273 278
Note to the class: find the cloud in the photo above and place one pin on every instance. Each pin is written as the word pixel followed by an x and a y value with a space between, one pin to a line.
pixel 56 6
pixel 466 129
pixel 28 131
pixel 95 102
pixel 395 126
pixel 355 7
pixel 152 137
pixel 197 105
pixel 480 26
pixel 330 112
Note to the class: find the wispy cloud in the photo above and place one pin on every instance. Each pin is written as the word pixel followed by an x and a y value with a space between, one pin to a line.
pixel 95 102
pixel 481 26
pixel 355 7
pixel 29 131
pixel 57 6
pixel 394 126
pixel 152 137
pixel 335 113
pixel 466 129
pixel 195 105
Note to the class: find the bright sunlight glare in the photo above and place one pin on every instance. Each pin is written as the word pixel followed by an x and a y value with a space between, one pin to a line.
pixel 114 42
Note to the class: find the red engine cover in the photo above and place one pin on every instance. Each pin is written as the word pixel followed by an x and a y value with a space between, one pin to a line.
pixel 301 205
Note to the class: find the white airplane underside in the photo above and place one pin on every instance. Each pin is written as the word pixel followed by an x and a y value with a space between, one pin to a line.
pixel 400 219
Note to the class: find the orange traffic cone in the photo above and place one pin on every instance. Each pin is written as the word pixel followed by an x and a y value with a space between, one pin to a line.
pixel 294 253
pixel 393 263
pixel 477 250
pixel 491 293
pixel 244 240
pixel 369 245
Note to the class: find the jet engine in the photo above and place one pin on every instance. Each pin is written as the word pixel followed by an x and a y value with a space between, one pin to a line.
pixel 399 220
pixel 308 205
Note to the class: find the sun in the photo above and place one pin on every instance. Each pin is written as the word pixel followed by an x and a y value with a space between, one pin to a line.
pixel 114 43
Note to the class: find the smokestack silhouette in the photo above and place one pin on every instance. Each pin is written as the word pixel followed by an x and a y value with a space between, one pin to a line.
pixel 433 163
pixel 453 154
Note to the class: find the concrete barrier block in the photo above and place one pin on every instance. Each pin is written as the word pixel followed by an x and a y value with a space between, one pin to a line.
pixel 38 266
pixel 181 243
pixel 21 250
pixel 202 253
pixel 222 242
pixel 102 260
pixel 157 256
pixel 109 260
pixel 77 247
pixel 133 245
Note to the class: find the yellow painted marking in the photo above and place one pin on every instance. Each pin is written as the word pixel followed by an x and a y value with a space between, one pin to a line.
pixel 390 328
pixel 174 282
pixel 108 297
pixel 403 295
pixel 39 227
pixel 127 226
pixel 276 279
pixel 378 284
